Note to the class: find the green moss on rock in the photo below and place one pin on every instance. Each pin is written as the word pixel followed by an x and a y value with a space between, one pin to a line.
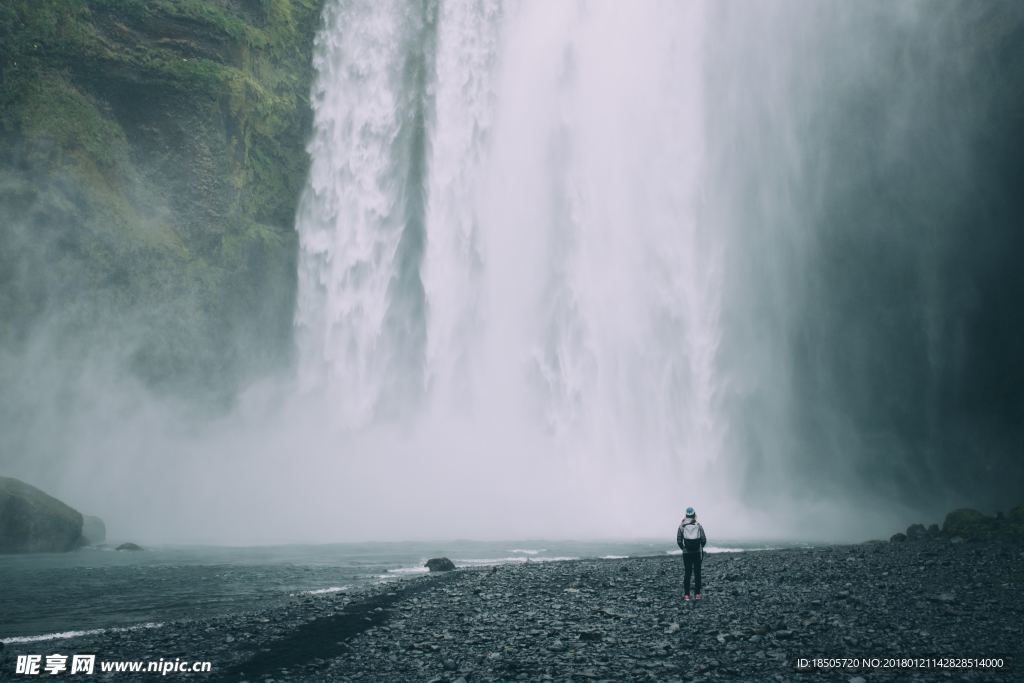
pixel 968 523
pixel 151 157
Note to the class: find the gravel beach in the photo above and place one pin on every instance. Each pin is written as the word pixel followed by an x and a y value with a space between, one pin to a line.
pixel 624 620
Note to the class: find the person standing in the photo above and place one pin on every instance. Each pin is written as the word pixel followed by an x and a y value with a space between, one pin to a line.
pixel 691 540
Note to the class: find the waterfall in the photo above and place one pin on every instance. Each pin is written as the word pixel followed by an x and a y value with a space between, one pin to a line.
pixel 563 269
pixel 501 230
pixel 605 252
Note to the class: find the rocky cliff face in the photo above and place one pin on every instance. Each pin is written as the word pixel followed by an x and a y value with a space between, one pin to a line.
pixel 33 522
pixel 151 156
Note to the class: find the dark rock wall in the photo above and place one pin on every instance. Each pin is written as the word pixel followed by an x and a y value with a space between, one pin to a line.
pixel 33 522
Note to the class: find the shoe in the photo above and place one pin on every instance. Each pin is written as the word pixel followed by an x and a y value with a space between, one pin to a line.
pixel 686 598
pixel 697 596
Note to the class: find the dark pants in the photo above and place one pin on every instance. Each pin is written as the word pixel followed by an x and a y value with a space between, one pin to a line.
pixel 691 565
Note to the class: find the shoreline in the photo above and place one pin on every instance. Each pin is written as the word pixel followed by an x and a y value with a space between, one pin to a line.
pixel 46 602
pixel 618 619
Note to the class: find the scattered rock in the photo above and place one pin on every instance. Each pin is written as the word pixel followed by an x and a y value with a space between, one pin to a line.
pixel 520 624
pixel 129 546
pixel 32 521
pixel 440 564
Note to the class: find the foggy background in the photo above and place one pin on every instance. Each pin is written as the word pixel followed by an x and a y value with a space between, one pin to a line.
pixel 563 271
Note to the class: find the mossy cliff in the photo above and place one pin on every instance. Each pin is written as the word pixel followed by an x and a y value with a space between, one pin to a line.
pixel 151 157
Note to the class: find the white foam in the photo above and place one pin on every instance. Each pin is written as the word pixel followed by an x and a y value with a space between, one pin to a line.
pixel 712 549
pixel 331 589
pixel 527 551
pixel 409 570
pixel 486 562
pixel 615 557
pixel 64 635
pixel 478 562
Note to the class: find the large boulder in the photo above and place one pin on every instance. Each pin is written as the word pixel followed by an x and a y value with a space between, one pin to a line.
pixel 916 532
pixel 33 522
pixel 94 531
pixel 440 564
pixel 129 546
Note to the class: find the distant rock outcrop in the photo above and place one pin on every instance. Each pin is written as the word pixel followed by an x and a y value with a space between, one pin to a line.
pixel 971 524
pixel 916 532
pixel 129 546
pixel 94 531
pixel 968 523
pixel 32 521
pixel 440 564
pixel 1015 520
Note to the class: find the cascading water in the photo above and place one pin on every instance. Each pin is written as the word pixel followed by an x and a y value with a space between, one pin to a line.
pixel 501 237
pixel 595 259
pixel 361 214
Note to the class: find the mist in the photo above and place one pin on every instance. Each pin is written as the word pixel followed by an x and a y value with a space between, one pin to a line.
pixel 566 269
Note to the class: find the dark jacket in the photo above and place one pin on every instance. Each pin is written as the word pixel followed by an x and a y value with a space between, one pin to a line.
pixel 690 546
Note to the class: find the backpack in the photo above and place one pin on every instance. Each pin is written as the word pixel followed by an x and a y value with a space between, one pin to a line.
pixel 691 537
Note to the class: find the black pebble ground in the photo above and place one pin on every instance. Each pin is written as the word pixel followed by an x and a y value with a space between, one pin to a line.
pixel 624 620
